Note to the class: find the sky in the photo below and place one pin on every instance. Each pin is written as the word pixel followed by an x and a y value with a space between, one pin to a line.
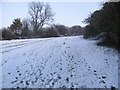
pixel 66 13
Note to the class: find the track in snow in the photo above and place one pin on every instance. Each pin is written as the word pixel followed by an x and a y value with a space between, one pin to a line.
pixel 66 62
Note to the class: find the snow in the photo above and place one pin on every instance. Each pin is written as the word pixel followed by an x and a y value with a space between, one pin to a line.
pixel 63 62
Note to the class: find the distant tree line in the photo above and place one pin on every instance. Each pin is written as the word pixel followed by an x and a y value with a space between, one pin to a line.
pixel 104 24
pixel 23 30
pixel 40 15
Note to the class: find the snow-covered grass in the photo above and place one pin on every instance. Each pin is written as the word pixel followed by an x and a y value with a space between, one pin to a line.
pixel 58 63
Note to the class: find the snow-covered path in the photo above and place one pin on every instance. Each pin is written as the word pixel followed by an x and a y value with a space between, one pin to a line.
pixel 58 62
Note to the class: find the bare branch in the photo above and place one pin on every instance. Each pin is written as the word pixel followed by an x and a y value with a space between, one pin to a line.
pixel 41 14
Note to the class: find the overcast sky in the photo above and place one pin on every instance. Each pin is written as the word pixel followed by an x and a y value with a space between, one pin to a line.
pixel 66 13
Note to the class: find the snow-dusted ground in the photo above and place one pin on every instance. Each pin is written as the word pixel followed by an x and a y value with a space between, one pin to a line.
pixel 58 62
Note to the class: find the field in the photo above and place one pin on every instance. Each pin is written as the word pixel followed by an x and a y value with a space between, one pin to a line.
pixel 63 62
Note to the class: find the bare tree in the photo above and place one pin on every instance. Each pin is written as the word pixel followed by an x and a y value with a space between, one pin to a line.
pixel 41 14
pixel 25 28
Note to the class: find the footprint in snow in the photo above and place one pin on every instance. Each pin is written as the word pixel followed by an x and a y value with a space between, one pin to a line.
pixel 54 72
pixel 59 77
pixel 102 81
pixel 21 81
pixel 89 67
pixel 17 87
pixel 23 53
pixel 72 56
pixel 9 73
pixel 60 63
pixel 83 86
pixel 74 63
pixel 20 74
pixel 67 79
pixel 67 47
pixel 27 83
pixel 16 77
pixel 18 71
pixel 68 56
pixel 95 72
pixel 71 75
pixel 104 77
pixel 14 81
pixel 72 86
pixel 63 86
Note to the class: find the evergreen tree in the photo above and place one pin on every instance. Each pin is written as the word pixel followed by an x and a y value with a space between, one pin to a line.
pixel 16 28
